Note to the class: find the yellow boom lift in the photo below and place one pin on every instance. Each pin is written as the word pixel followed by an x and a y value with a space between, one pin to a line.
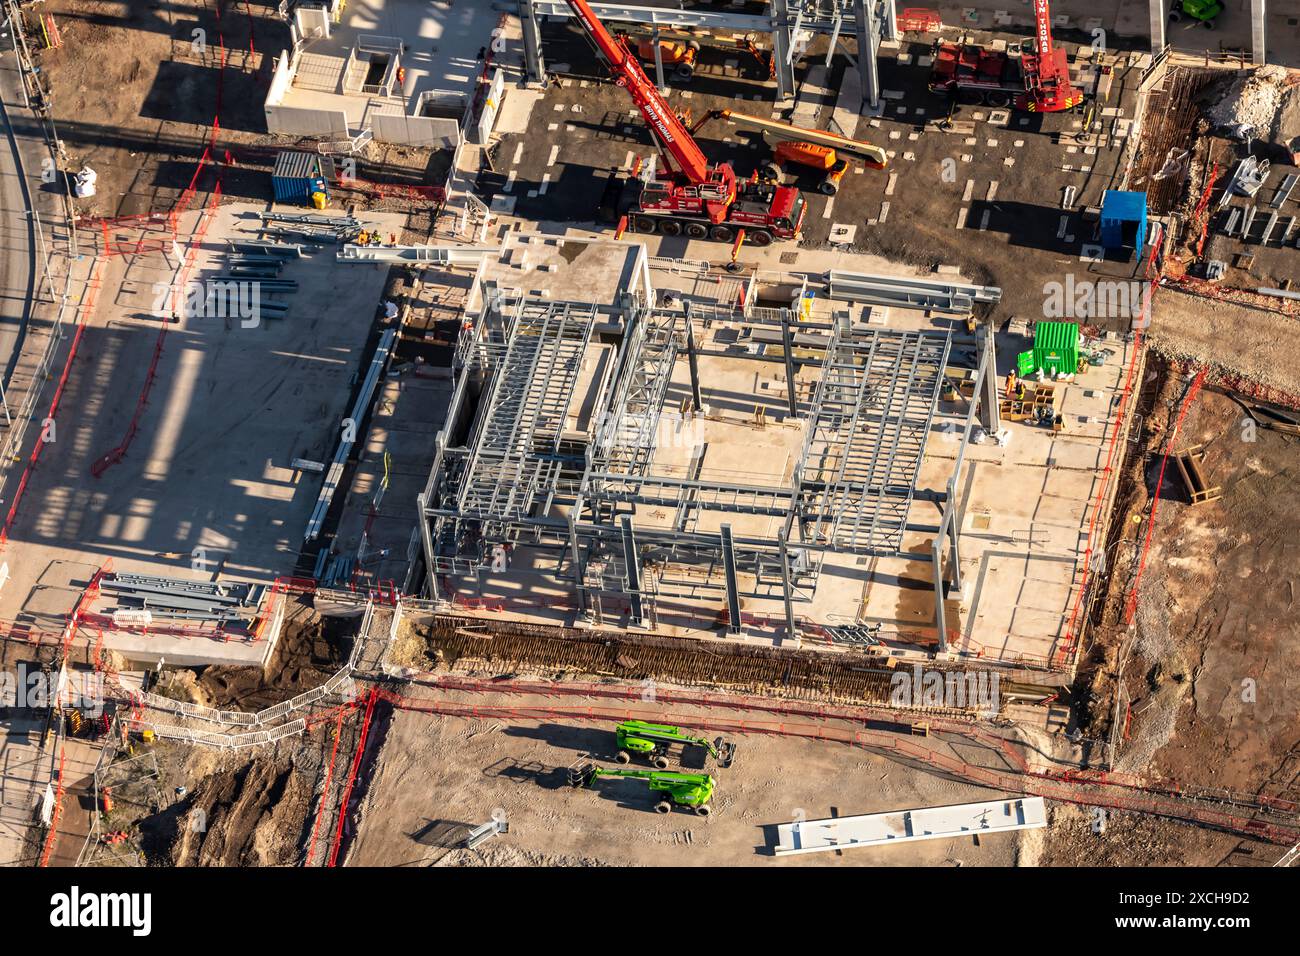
pixel 816 149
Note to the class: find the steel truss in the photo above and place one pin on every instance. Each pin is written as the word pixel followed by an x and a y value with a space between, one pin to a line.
pixel 513 478
pixel 866 436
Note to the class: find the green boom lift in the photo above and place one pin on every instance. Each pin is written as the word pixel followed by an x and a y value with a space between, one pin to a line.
pixel 653 740
pixel 692 791
pixel 1206 11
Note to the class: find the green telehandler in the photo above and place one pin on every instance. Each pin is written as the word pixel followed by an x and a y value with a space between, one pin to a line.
pixel 1203 11
pixel 643 739
pixel 691 791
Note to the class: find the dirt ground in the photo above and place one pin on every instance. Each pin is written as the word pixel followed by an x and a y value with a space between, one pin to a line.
pixel 1248 341
pixel 439 776
pixel 1211 668
pixel 1130 840
pixel 134 89
pixel 310 650
pixel 1218 610
pixel 247 808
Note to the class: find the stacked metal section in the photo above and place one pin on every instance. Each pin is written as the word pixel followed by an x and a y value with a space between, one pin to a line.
pixel 178 599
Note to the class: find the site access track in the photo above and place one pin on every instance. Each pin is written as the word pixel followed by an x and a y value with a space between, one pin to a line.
pixel 1009 770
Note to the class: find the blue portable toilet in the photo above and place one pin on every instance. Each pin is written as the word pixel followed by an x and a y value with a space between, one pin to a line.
pixel 1123 219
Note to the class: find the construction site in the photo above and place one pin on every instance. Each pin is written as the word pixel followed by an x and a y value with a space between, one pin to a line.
pixel 559 433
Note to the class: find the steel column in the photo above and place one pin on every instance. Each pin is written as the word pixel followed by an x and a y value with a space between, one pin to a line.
pixel 575 548
pixel 427 543
pixel 864 14
pixel 1156 9
pixel 1258 32
pixel 534 63
pixel 734 626
pixel 660 83
pixel 940 619
pixel 787 348
pixel 785 588
pixel 633 562
pixel 782 49
pixel 986 389
pixel 952 522
pixel 693 358
pixel 890 24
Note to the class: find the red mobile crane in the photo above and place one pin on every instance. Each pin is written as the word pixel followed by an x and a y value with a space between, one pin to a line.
pixel 1041 83
pixel 688 195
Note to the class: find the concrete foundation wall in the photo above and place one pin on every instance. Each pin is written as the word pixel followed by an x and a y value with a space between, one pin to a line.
pixel 281 79
pixel 296 121
pixel 428 131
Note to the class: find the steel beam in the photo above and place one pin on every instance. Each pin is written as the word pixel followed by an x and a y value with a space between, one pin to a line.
pixel 660 82
pixel 782 49
pixel 702 18
pixel 1258 32
pixel 864 16
pixel 632 562
pixel 415 255
pixel 986 385
pixel 534 63
pixel 1157 11
pixel 951 298
pixel 735 627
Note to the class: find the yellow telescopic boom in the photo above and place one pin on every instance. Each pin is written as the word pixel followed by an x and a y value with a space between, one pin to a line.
pixel 777 132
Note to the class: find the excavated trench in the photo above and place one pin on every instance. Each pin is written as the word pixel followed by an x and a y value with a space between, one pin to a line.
pixel 509 647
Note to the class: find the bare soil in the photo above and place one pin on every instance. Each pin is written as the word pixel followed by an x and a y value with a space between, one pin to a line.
pixel 437 777
pixel 1214 655
pixel 136 88
pixel 248 808
pixel 310 650
pixel 1129 840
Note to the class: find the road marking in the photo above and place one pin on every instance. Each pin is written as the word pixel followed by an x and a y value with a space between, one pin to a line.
pixel 970 190
pixel 884 211
pixel 555 152
pixel 830 204
pixel 961 217
pixel 889 186
pixel 519 154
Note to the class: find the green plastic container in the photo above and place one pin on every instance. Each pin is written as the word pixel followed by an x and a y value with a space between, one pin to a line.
pixel 1056 348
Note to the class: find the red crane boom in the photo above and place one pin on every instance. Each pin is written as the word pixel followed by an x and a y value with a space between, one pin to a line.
pixel 674 141
pixel 690 196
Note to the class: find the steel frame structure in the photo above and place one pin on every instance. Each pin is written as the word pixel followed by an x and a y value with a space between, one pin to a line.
pixel 503 475
pixel 788 18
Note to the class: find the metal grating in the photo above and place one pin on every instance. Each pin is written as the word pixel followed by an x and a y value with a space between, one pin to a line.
pixel 515 459
pixel 866 436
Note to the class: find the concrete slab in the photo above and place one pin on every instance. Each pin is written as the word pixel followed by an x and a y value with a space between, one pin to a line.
pixel 206 487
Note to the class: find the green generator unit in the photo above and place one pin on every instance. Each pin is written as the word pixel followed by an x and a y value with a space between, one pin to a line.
pixel 1055 351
